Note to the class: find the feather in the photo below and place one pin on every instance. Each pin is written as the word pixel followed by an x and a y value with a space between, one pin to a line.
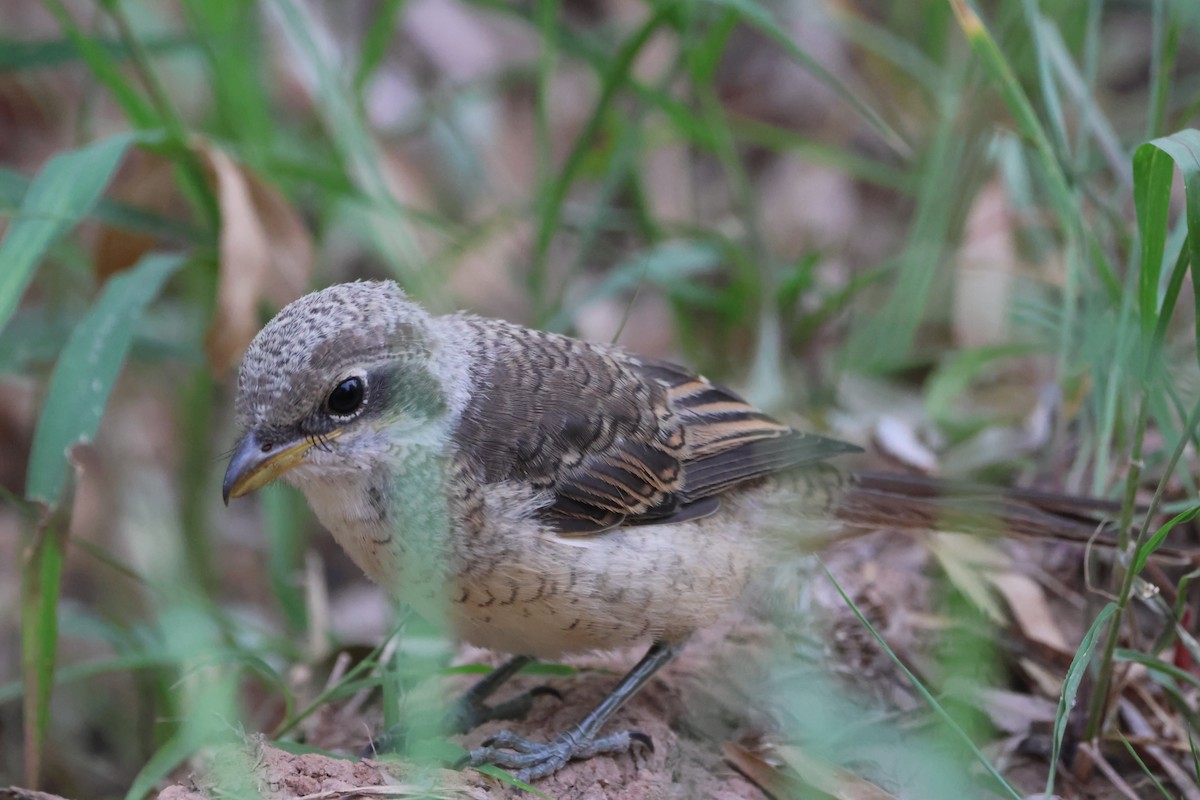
pixel 615 438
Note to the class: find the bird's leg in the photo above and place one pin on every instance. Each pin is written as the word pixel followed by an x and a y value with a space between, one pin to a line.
pixel 470 709
pixel 532 760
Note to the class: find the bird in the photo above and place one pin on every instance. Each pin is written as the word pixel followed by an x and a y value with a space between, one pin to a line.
pixel 538 494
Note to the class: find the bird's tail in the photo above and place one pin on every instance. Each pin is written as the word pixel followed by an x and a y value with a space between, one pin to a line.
pixel 878 500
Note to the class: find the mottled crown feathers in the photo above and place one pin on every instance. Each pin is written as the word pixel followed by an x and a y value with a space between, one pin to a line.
pixel 293 359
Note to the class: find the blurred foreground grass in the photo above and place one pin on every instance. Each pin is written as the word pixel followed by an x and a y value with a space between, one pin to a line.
pixel 908 213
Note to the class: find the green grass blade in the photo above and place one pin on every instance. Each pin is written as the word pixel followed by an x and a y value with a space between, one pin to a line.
pixel 999 69
pixel 62 194
pixel 1093 121
pixel 1158 665
pixel 757 16
pixel 1154 542
pixel 921 689
pixel 104 68
pixel 1164 49
pixel 17 55
pixel 1183 148
pixel 550 207
pixel 40 584
pixel 1075 673
pixel 884 341
pixel 86 371
pixel 1153 173
pixel 1149 773
pixel 384 222
pixel 93 668
pixel 375 43
pixel 14 186
pixel 174 752
pixel 228 35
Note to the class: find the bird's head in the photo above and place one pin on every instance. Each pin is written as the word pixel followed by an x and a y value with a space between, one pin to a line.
pixel 332 384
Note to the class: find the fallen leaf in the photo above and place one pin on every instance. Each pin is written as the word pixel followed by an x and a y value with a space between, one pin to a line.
pixel 985 267
pixel 1027 601
pixel 145 181
pixel 898 439
pixel 266 253
pixel 1012 712
pixel 830 778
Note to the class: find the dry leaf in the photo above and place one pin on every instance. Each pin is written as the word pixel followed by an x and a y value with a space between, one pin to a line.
pixel 762 773
pixel 1029 607
pixel 898 439
pixel 986 263
pixel 145 181
pixel 830 778
pixel 1013 712
pixel 265 250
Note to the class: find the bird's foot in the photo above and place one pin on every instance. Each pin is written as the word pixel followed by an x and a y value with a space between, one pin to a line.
pixel 468 713
pixel 529 761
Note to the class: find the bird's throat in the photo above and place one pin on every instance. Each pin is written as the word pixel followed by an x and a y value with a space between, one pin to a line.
pixel 393 521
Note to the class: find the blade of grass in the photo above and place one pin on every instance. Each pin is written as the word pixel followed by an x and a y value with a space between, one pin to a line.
pixel 1099 704
pixel 757 16
pixel 79 389
pixel 227 34
pixel 1153 173
pixel 1092 115
pixel 165 760
pixel 885 340
pixel 63 193
pixel 14 186
pixel 1074 676
pixel 86 371
pixel 1156 541
pixel 1158 665
pixel 1183 148
pixel 103 66
pixel 1145 769
pixel 1055 122
pixel 1164 48
pixel 40 584
pixel 921 689
pixel 375 43
pixel 555 192
pixel 1001 72
pixel 17 55
pixel 193 176
pixel 1067 207
pixel 386 225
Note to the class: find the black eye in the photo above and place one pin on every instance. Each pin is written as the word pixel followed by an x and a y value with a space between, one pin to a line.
pixel 347 397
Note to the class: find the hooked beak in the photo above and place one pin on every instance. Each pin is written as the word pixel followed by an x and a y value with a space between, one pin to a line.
pixel 255 464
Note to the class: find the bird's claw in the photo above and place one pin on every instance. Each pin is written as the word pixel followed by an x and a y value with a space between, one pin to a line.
pixel 529 761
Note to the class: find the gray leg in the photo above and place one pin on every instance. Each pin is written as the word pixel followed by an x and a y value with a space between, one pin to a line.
pixel 532 760
pixel 470 709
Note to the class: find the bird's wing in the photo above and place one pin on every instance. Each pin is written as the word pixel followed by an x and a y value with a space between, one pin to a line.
pixel 617 439
pixel 728 439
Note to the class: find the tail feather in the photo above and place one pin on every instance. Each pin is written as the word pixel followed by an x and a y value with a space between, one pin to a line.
pixel 907 502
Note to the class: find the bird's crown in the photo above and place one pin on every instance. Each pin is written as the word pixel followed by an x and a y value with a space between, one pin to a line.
pixel 293 359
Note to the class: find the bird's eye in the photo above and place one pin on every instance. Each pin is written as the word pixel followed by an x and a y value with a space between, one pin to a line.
pixel 347 397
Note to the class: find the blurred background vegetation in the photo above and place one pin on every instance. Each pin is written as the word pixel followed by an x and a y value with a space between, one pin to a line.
pixel 919 225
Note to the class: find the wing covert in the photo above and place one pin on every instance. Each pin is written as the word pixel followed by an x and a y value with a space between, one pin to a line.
pixel 615 438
